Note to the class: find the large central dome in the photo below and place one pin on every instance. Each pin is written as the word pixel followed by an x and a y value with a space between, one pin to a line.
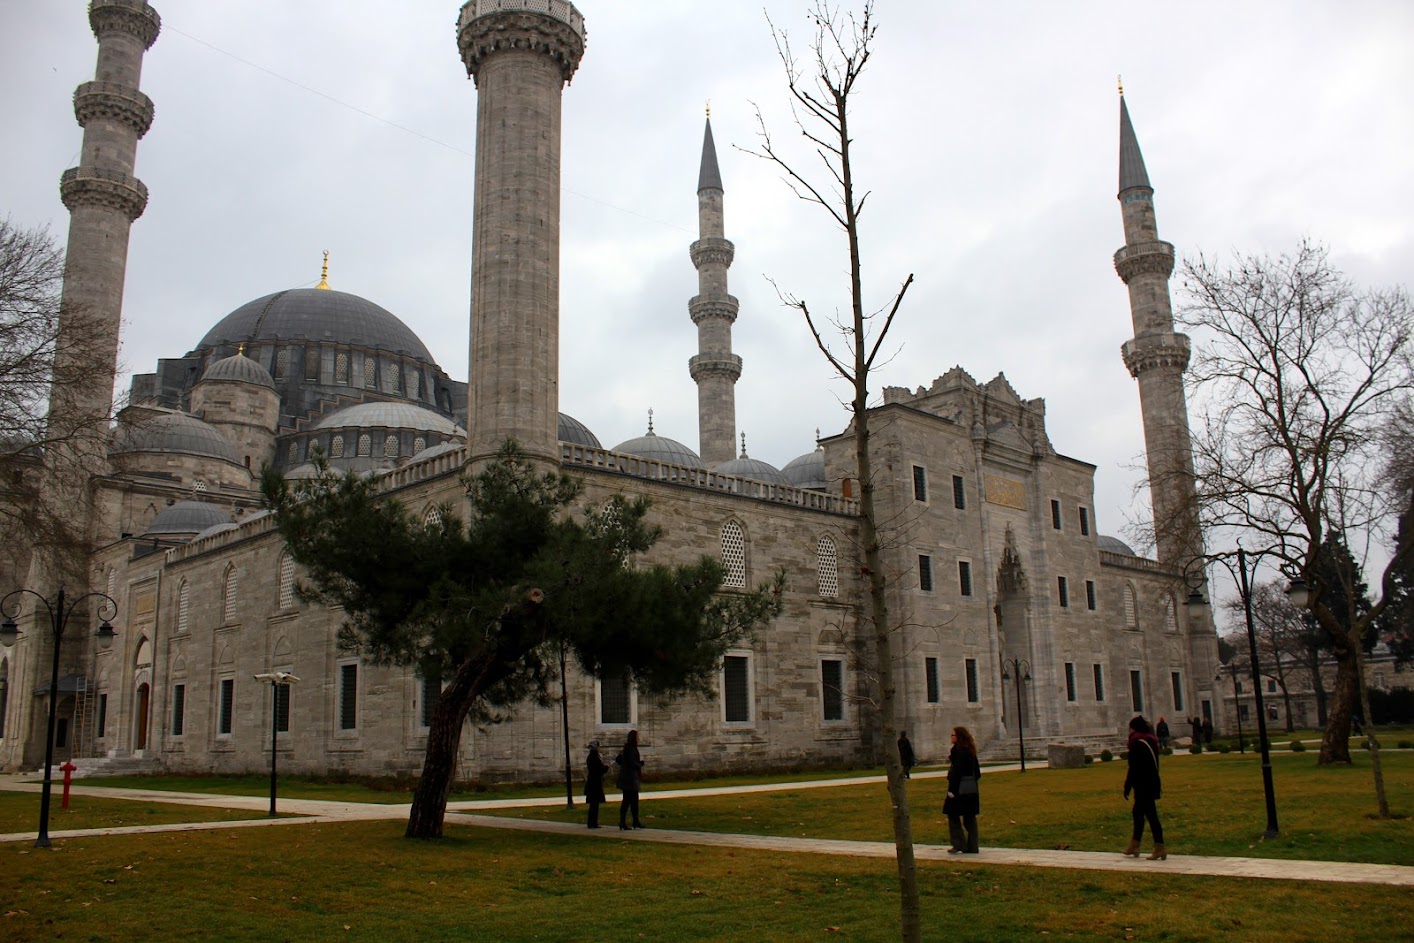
pixel 315 314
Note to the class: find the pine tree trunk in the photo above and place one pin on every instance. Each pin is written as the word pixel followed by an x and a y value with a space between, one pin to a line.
pixel 439 766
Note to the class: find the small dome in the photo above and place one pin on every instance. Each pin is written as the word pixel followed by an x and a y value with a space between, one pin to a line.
pixel 752 468
pixel 1114 545
pixel 188 517
pixel 239 369
pixel 435 450
pixel 173 432
pixel 577 433
pixel 215 529
pixel 301 471
pixel 383 415
pixel 807 471
pixel 659 448
pixel 314 314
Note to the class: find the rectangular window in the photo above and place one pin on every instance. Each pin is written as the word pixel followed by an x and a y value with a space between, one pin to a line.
pixel 959 493
pixel 431 691
pixel 736 689
pixel 1238 686
pixel 348 696
pixel 1084 522
pixel 282 708
pixel 1243 712
pixel 179 709
pixel 1070 692
pixel 930 672
pixel 226 707
pixel 973 695
pixel 925 573
pixel 1177 679
pixel 964 577
pixel 102 715
pixel 920 483
pixel 1064 589
pixel 832 688
pixel 1055 515
pixel 1271 686
pixel 1090 595
pixel 1136 692
pixel 1099 682
pixel 615 700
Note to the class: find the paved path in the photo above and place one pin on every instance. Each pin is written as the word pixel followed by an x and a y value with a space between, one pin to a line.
pixel 306 811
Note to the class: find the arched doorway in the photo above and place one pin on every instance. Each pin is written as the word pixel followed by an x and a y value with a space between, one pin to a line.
pixel 140 717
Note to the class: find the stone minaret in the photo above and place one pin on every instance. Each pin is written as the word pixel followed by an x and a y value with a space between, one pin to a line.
pixel 521 54
pixel 714 367
pixel 1156 357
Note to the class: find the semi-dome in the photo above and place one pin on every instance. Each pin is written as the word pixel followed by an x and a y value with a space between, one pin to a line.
pixel 317 314
pixel 239 369
pixel 577 433
pixel 440 449
pixel 215 529
pixel 660 448
pixel 389 415
pixel 807 471
pixel 187 517
pixel 173 432
pixel 1114 545
pixel 752 468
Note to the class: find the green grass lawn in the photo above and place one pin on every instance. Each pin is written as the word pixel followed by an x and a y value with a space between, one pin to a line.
pixel 1213 804
pixel 19 812
pixel 364 882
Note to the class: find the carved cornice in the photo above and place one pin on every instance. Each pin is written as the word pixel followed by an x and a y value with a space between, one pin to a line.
pixel 1156 350
pixel 712 251
pixel 714 365
pixel 482 35
pixel 91 186
pixel 1144 258
pixel 127 16
pixel 724 307
pixel 115 102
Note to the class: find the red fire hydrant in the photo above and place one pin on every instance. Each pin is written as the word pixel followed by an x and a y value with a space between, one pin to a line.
pixel 68 770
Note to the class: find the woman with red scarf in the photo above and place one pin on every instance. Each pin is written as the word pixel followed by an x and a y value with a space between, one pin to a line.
pixel 1143 779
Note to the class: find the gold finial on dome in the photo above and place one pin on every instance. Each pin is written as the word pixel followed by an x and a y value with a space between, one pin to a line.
pixel 650 420
pixel 743 445
pixel 324 274
pixel 240 349
pixel 1120 80
pixel 709 107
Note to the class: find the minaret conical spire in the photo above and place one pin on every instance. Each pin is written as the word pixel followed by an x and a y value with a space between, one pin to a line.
pixel 709 177
pixel 1131 160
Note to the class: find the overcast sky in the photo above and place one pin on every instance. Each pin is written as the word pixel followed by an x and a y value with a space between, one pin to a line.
pixel 988 134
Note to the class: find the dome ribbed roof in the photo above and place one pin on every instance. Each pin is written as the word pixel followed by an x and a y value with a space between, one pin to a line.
pixel 807 471
pixel 315 314
pixel 239 369
pixel 1114 545
pixel 188 517
pixel 577 433
pixel 661 449
pixel 172 432
pixel 435 450
pixel 385 415
pixel 752 468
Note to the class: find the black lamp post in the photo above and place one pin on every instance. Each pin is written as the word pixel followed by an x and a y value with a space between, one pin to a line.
pixel 1022 669
pixel 59 613
pixel 565 727
pixel 278 680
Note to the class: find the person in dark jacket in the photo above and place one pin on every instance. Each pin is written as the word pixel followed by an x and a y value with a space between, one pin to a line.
pixel 963 802
pixel 1162 732
pixel 905 754
pixel 1143 780
pixel 630 766
pixel 594 782
pixel 1207 731
pixel 1197 726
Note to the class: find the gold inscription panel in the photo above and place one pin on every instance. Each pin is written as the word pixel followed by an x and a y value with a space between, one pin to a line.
pixel 1007 492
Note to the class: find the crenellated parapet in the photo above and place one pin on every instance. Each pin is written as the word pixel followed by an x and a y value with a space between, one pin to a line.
pixel 1156 350
pixel 115 102
pixel 711 251
pixel 134 17
pixel 1144 258
pixel 99 186
pixel 553 28
pixel 721 307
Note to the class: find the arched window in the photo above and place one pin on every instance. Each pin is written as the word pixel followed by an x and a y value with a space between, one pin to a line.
pixel 311 364
pixel 228 596
pixel 199 486
pixel 294 453
pixel 341 368
pixel 1131 613
pixel 827 569
pixel 418 444
pixel 370 373
pixel 336 447
pixel 183 606
pixel 390 378
pixel 365 445
pixel 1170 615
pixel 390 446
pixel 282 363
pixel 287 581
pixel 433 515
pixel 415 383
pixel 734 554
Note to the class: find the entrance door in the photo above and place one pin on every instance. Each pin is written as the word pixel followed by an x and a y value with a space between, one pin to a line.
pixel 140 732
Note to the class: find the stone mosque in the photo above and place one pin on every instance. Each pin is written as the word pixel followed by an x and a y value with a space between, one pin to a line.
pixel 997 572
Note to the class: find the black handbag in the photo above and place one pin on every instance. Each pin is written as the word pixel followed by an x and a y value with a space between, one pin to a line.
pixel 967 786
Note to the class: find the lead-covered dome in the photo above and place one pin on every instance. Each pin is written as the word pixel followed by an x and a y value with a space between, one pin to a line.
pixel 752 468
pixel 239 369
pixel 1114 545
pixel 807 471
pixel 173 432
pixel 316 314
pixel 577 433
pixel 390 415
pixel 188 517
pixel 660 448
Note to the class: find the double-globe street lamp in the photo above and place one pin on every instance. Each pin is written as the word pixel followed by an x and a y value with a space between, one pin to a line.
pixel 277 680
pixel 59 612
pixel 1296 590
pixel 1021 668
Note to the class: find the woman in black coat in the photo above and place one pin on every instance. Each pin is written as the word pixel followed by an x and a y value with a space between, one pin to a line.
pixel 1143 779
pixel 963 802
pixel 594 782
pixel 630 775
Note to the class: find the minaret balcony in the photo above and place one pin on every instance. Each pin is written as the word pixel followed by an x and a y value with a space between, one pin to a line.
pixel 114 102
pixel 701 366
pixel 722 307
pixel 128 16
pixel 1152 351
pixel 712 251
pixel 97 186
pixel 552 27
pixel 1144 258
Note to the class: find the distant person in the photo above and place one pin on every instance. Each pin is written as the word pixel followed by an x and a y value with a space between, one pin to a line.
pixel 1207 728
pixel 1143 780
pixel 594 782
pixel 630 776
pixel 1162 732
pixel 1356 726
pixel 1197 726
pixel 963 801
pixel 905 754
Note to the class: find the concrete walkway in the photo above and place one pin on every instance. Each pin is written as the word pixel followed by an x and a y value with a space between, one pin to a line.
pixel 306 811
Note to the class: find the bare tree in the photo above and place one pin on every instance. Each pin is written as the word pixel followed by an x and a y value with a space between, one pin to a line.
pixel 1282 639
pixel 820 96
pixel 1299 374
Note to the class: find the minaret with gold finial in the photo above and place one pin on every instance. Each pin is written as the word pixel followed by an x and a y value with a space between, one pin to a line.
pixel 324 274
pixel 714 367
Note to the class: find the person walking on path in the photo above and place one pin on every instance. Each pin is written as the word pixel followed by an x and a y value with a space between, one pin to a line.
pixel 963 801
pixel 1162 732
pixel 630 776
pixel 905 754
pixel 594 782
pixel 1143 780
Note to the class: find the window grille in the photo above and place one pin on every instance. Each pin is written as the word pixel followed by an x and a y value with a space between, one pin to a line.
pixel 1070 692
pixel 287 581
pixel 1084 522
pixel 282 708
pixel 615 700
pixel 183 606
pixel 282 363
pixel 336 447
pixel 1099 682
pixel 415 383
pixel 311 364
pixel 227 706
pixel 348 697
pixel 959 493
pixel 341 368
pixel 431 691
pixel 390 379
pixel 736 693
pixel 199 486
pixel 974 695
pixel 920 483
pixel 228 602
pixel 734 555
pixel 1170 615
pixel 1131 611
pixel 365 445
pixel 418 444
pixel 925 573
pixel 1055 515
pixel 827 570
pixel 1090 601
pixel 179 709
pixel 390 446
pixel 294 455
pixel 370 373
pixel 1063 589
pixel 930 672
pixel 964 577
pixel 832 688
